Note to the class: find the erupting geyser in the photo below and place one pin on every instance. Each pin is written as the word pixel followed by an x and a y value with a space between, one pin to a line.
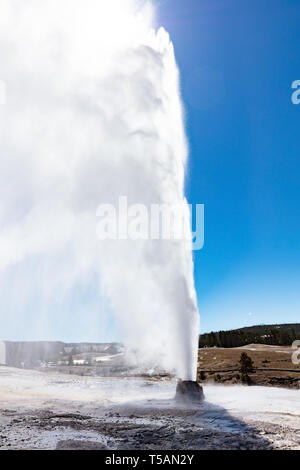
pixel 93 113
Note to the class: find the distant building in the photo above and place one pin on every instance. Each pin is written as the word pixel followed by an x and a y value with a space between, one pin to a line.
pixel 35 353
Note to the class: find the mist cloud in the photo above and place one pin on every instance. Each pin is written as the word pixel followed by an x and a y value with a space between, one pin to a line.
pixel 93 112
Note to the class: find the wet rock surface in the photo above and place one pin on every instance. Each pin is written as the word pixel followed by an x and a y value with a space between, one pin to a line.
pixel 169 430
pixel 41 411
pixel 188 391
pixel 79 445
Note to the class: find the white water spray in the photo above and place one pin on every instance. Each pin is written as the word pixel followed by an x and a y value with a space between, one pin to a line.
pixel 92 112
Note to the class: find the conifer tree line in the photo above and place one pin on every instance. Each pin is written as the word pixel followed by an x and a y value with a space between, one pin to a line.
pixel 278 335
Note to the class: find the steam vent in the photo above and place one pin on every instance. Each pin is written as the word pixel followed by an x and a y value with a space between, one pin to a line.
pixel 188 391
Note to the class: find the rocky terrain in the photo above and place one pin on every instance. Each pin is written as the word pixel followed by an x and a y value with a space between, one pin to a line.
pixel 56 411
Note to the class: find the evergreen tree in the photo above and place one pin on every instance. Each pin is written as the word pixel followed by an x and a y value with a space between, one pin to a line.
pixel 246 367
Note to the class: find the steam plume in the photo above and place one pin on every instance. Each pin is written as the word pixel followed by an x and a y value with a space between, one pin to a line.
pixel 93 111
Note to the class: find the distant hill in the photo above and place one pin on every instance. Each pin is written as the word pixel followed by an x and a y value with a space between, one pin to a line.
pixel 281 335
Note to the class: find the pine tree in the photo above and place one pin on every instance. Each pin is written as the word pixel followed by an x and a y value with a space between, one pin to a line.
pixel 246 367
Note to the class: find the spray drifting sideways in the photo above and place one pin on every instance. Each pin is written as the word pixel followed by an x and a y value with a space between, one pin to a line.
pixel 94 113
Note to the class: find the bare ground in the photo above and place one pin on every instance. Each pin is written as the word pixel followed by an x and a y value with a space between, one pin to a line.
pixel 38 411
pixel 264 357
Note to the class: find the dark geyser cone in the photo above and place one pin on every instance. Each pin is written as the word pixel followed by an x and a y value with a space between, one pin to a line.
pixel 188 391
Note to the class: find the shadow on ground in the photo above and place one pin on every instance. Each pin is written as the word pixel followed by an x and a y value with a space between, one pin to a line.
pixel 163 425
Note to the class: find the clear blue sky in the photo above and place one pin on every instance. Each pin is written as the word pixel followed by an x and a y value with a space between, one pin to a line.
pixel 238 60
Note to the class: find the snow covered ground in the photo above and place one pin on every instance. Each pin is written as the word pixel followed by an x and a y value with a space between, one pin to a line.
pixel 47 410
